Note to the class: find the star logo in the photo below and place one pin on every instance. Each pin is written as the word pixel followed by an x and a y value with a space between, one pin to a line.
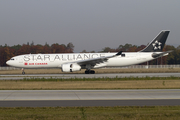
pixel 157 45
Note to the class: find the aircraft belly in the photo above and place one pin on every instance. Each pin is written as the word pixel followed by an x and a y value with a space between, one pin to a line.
pixel 120 62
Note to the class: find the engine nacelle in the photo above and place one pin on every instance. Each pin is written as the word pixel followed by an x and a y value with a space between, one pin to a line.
pixel 70 67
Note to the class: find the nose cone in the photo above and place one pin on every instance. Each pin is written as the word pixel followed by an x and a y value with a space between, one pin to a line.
pixel 8 62
pixel 11 62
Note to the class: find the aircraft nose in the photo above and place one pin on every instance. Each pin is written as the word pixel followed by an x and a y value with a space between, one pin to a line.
pixel 8 62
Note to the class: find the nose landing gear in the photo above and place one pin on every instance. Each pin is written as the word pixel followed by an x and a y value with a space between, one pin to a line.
pixel 23 71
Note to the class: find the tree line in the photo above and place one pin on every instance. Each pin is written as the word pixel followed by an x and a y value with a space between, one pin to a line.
pixel 7 52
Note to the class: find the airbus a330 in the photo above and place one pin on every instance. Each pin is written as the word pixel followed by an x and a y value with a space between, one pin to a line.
pixel 77 61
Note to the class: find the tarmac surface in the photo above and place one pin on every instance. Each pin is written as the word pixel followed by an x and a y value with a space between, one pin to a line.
pixel 90 103
pixel 54 98
pixel 64 98
pixel 112 75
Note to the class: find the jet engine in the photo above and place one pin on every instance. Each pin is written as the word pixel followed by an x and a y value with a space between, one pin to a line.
pixel 70 67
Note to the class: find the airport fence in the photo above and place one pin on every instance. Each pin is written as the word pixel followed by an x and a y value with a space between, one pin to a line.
pixel 147 66
pixel 127 67
pixel 9 68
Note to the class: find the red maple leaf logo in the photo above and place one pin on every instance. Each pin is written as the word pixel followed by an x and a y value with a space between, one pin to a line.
pixel 25 63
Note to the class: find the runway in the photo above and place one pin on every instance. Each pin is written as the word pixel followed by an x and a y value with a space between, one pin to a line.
pixel 64 98
pixel 66 76
pixel 54 98
pixel 90 103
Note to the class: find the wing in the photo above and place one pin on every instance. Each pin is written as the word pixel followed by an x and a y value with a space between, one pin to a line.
pixel 95 61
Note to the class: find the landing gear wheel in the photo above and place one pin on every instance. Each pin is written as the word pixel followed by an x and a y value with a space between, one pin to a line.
pixel 89 72
pixel 92 71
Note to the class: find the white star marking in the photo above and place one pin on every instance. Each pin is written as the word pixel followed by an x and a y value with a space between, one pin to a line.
pixel 157 45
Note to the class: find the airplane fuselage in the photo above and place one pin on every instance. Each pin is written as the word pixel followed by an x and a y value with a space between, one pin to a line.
pixel 56 60
pixel 77 61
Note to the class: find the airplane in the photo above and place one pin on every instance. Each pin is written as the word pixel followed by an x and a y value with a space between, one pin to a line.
pixel 77 61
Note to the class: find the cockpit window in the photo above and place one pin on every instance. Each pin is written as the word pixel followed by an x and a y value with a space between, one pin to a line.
pixel 12 59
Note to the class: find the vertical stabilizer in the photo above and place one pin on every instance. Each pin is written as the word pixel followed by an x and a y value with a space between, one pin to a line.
pixel 157 44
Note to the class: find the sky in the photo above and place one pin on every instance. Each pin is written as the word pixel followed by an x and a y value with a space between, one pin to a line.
pixel 88 24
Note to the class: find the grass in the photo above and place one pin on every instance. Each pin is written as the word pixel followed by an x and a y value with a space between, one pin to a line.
pixel 92 113
pixel 91 83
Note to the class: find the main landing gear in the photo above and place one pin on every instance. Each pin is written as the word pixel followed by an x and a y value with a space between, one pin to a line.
pixel 89 72
pixel 23 71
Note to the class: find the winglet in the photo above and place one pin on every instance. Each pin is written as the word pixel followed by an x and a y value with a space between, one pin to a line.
pixel 119 53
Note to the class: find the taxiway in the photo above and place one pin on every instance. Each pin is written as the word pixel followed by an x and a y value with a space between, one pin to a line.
pixel 44 98
pixel 54 98
pixel 112 75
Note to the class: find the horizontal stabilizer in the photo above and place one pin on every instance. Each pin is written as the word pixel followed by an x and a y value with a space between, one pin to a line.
pixel 154 55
